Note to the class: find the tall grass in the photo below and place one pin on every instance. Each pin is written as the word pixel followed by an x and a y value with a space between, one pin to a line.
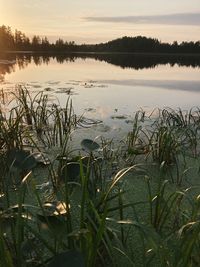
pixel 51 123
pixel 101 209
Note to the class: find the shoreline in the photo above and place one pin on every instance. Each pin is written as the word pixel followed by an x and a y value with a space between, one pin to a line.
pixel 101 53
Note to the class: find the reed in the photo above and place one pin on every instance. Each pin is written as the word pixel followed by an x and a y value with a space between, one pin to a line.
pixel 95 208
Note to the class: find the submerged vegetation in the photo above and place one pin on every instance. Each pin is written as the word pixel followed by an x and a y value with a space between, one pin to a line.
pixel 135 203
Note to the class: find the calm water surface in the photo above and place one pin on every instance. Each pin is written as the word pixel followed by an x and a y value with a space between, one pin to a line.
pixel 108 91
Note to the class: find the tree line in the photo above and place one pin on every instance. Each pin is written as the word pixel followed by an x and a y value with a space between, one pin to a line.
pixel 18 41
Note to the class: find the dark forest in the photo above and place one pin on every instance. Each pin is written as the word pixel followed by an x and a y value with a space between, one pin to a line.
pixel 18 41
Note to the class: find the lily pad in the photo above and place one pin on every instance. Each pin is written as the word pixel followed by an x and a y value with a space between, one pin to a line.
pixel 119 117
pixel 69 258
pixel 70 172
pixel 21 159
pixel 89 145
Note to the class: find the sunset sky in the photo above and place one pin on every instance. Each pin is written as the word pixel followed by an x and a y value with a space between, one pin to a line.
pixel 94 21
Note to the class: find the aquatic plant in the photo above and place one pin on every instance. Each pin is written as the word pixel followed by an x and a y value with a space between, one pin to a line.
pixel 97 205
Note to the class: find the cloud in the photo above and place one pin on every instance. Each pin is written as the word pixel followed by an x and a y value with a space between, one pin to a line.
pixel 170 19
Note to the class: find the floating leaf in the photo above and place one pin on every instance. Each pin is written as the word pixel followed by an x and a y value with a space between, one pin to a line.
pixel 89 145
pixel 71 258
pixel 70 172
pixel 21 159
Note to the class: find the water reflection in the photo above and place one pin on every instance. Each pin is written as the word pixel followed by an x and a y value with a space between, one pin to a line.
pixel 190 86
pixel 105 87
pixel 134 61
pixel 6 68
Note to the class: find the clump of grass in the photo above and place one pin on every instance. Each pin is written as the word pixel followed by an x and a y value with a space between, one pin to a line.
pixel 49 122
pixel 11 132
pixel 163 145
pixel 134 139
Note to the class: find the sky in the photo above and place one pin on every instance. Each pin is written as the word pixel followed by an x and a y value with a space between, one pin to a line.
pixel 95 21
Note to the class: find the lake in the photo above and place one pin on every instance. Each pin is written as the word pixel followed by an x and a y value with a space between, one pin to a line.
pixel 107 87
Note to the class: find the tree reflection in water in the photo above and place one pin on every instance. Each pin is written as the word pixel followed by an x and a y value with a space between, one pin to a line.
pixel 134 61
